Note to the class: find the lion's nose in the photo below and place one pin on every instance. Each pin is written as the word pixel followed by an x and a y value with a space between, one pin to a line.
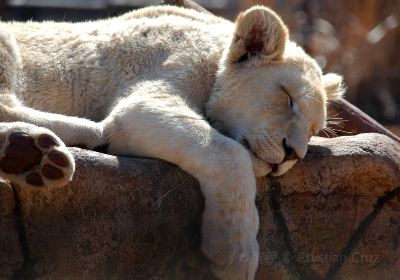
pixel 290 153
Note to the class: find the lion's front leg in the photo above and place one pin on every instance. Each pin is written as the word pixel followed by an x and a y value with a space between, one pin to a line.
pixel 230 219
pixel 73 131
pixel 33 149
pixel 171 131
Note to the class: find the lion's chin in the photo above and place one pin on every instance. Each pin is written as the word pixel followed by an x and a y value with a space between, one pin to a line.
pixel 260 167
pixel 280 169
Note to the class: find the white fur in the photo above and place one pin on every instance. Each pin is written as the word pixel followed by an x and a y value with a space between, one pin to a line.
pixel 151 81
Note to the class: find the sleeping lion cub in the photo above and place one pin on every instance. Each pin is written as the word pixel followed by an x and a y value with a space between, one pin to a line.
pixel 224 101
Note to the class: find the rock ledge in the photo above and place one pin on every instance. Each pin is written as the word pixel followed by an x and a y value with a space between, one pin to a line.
pixel 335 215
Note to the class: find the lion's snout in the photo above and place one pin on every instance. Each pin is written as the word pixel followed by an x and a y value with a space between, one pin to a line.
pixel 281 155
pixel 290 153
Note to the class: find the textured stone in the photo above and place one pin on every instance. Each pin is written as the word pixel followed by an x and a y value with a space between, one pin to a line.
pixel 366 164
pixel 377 254
pixel 10 249
pixel 119 218
pixel 136 218
pixel 324 205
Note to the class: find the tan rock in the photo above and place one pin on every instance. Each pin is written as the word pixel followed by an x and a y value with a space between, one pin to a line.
pixel 377 254
pixel 11 259
pixel 326 206
pixel 133 218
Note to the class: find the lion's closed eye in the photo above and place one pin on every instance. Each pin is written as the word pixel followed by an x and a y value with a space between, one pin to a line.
pixel 289 97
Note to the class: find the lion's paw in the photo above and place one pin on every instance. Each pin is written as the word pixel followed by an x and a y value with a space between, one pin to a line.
pixel 232 246
pixel 244 264
pixel 35 157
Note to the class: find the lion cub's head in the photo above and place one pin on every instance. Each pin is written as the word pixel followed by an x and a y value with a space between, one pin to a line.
pixel 269 94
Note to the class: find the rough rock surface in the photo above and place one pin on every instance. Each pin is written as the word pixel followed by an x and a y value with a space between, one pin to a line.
pixel 335 215
pixel 10 246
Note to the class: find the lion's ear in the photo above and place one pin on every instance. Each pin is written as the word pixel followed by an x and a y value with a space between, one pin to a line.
pixel 259 32
pixel 333 85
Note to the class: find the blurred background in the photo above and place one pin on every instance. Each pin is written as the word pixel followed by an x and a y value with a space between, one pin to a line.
pixel 359 39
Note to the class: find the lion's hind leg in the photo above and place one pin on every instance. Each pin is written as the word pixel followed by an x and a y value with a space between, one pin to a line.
pixel 33 156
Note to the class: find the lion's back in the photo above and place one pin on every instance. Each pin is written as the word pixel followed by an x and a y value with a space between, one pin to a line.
pixel 82 66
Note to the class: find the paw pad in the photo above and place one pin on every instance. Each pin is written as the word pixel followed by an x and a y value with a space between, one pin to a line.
pixel 52 172
pixel 35 159
pixel 46 141
pixel 34 179
pixel 20 155
pixel 58 158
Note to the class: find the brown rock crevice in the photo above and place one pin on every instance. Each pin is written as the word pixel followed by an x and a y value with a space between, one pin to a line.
pixel 10 249
pixel 288 255
pixel 360 231
pixel 26 269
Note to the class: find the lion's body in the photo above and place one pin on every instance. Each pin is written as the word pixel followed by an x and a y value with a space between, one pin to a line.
pixel 224 101
pixel 82 69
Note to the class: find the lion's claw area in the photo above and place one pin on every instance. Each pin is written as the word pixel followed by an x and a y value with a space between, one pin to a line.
pixel 23 155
